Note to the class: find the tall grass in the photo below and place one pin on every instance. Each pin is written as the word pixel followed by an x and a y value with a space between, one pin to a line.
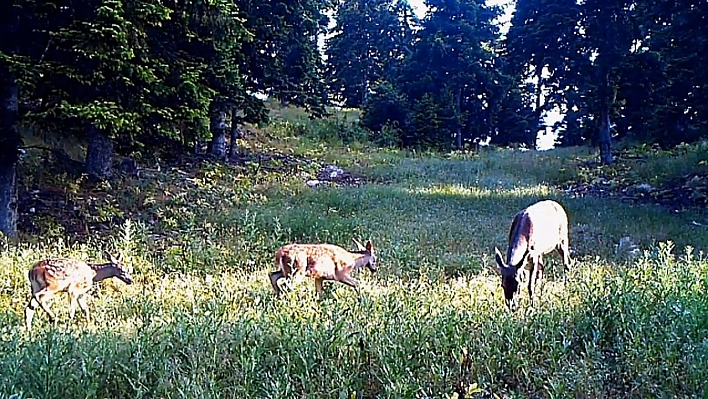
pixel 201 319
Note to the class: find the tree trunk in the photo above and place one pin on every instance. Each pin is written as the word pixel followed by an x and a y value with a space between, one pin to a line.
pixel 10 141
pixel 99 154
pixel 235 135
pixel 604 136
pixel 458 112
pixel 540 106
pixel 362 101
pixel 538 111
pixel 217 146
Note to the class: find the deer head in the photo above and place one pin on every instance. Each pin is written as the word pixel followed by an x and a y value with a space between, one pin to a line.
pixel 511 280
pixel 368 250
pixel 123 271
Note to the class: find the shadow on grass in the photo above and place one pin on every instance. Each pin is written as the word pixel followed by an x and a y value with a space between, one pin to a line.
pixel 452 229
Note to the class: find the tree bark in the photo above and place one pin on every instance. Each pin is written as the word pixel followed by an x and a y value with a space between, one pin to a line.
pixel 217 146
pixel 99 154
pixel 458 111
pixel 364 90
pixel 10 138
pixel 10 142
pixel 605 136
pixel 235 135
pixel 540 105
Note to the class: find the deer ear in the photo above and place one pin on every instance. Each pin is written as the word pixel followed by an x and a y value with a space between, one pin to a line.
pixel 108 255
pixel 498 257
pixel 358 244
pixel 369 246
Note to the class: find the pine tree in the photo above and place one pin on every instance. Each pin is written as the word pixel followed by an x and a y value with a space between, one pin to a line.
pixel 452 60
pixel 98 73
pixel 367 46
pixel 543 37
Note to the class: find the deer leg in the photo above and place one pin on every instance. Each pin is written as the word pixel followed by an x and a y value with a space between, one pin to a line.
pixel 81 300
pixel 29 312
pixel 522 273
pixel 348 280
pixel 539 276
pixel 274 277
pixel 319 287
pixel 539 272
pixel 564 252
pixel 72 305
pixel 297 275
pixel 40 298
pixel 532 280
pixel 525 273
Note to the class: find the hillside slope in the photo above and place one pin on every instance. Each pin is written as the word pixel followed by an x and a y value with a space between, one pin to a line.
pixel 201 319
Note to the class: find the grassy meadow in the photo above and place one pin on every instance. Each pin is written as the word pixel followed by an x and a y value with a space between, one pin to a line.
pixel 201 319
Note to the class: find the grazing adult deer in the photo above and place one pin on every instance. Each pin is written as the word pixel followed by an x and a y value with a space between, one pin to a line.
pixel 51 276
pixel 535 231
pixel 321 262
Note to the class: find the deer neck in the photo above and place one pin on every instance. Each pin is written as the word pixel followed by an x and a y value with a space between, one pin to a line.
pixel 361 259
pixel 103 271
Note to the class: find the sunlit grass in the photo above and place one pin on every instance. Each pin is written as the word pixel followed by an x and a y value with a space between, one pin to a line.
pixel 201 319
pixel 400 338
pixel 476 192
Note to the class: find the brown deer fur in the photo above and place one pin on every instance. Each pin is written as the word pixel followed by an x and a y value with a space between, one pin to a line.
pixel 51 276
pixel 321 262
pixel 535 231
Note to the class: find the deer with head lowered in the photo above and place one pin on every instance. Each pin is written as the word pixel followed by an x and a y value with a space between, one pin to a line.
pixel 51 276
pixel 321 262
pixel 535 231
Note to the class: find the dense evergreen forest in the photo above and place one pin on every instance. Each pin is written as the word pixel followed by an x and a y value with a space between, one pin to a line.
pixel 122 74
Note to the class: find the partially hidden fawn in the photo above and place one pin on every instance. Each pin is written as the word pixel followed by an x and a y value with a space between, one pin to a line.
pixel 51 276
pixel 321 262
